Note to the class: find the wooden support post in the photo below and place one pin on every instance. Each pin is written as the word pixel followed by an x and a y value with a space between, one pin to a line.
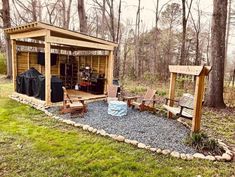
pixel 28 60
pixel 48 71
pixel 171 92
pixel 59 58
pixel 98 64
pixel 91 61
pixel 106 73
pixel 78 74
pixel 110 68
pixel 14 63
pixel 198 97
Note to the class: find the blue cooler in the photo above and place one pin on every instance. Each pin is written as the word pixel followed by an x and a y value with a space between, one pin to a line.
pixel 117 108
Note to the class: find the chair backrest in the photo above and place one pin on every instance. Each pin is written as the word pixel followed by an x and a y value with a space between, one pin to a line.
pixel 112 91
pixel 149 94
pixel 66 95
pixel 187 100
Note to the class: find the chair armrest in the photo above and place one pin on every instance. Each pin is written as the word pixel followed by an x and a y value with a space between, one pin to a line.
pixel 152 100
pixel 76 99
pixel 186 107
pixel 130 97
pixel 74 96
pixel 167 99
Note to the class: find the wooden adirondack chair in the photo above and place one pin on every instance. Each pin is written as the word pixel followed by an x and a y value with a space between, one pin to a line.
pixel 73 105
pixel 112 93
pixel 145 103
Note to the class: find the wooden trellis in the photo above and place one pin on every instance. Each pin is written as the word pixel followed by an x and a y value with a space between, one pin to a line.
pixel 200 72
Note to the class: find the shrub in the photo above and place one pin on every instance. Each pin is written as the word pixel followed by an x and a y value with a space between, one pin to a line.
pixel 138 89
pixel 3 66
pixel 161 92
pixel 202 143
pixel 149 77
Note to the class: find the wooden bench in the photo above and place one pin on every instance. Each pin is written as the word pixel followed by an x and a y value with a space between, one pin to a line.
pixel 184 108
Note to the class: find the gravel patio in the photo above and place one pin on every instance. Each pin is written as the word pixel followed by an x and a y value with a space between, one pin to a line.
pixel 144 127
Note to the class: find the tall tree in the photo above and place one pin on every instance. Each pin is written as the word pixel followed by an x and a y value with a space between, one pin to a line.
pixel 113 25
pixel 197 28
pixel 27 11
pixel 6 18
pixel 170 17
pixel 228 29
pixel 214 97
pixel 185 17
pixel 82 16
pixel 137 64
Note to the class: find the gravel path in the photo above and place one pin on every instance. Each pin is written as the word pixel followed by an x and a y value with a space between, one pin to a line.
pixel 141 126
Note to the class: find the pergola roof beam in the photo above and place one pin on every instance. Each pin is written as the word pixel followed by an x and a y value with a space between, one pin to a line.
pixel 42 45
pixel 78 43
pixel 30 34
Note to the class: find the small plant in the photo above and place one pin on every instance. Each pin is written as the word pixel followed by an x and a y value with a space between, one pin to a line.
pixel 138 89
pixel 161 92
pixel 202 143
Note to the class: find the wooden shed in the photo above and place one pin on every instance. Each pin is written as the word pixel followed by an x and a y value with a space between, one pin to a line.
pixel 74 51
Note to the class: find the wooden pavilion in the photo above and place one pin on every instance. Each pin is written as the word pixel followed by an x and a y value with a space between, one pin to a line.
pixel 48 38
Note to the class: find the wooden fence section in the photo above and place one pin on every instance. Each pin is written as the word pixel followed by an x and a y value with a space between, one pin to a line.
pixel 97 63
pixel 26 60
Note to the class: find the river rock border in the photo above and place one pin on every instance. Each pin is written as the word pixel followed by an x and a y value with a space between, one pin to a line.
pixel 227 156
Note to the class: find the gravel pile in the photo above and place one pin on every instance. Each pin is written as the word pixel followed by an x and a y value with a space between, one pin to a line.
pixel 141 126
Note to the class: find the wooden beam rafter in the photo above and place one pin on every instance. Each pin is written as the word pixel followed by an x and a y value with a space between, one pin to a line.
pixel 59 32
pixel 42 45
pixel 190 70
pixel 78 43
pixel 30 34
pixel 75 34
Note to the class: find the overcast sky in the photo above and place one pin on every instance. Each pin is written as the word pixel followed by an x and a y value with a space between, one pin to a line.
pixel 129 8
pixel 148 9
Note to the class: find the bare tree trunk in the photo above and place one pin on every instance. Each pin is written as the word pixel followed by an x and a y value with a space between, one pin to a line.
pixel 63 13
pixel 214 97
pixel 125 52
pixel 197 28
pixel 137 64
pixel 34 10
pixel 228 30
pixel 111 14
pixel 197 59
pixel 208 48
pixel 103 19
pixel 117 50
pixel 68 15
pixel 39 11
pixel 184 25
pixel 82 16
pixel 157 14
pixel 155 37
pixel 6 24
pixel 233 78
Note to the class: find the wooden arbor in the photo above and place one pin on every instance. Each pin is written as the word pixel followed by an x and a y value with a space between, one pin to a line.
pixel 50 37
pixel 200 72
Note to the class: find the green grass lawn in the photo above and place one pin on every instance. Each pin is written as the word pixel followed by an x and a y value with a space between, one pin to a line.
pixel 32 144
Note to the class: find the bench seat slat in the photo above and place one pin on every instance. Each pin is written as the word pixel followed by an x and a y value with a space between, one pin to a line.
pixel 176 111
